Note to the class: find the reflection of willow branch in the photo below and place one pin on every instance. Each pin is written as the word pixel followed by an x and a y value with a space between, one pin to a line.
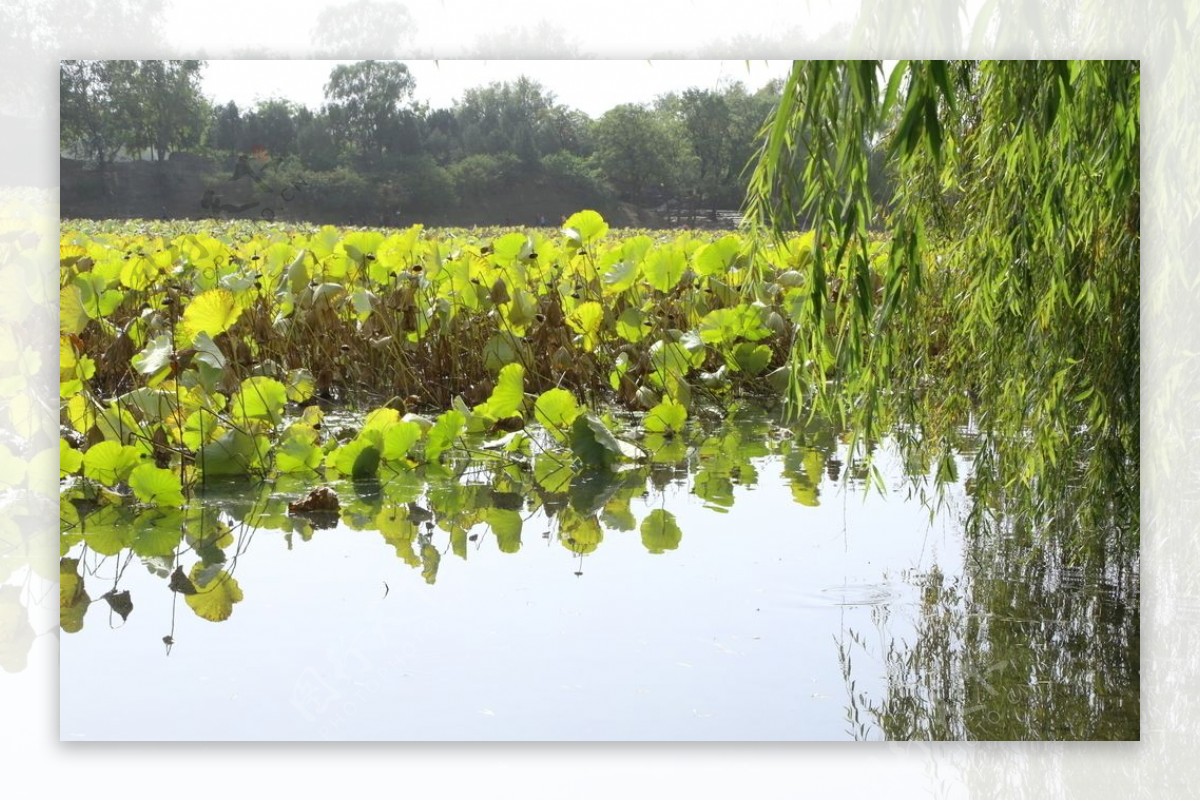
pixel 1018 649
pixel 858 730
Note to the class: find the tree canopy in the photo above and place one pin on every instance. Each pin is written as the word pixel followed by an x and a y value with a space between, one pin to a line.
pixel 367 102
pixel 1009 299
pixel 136 105
pixel 372 146
pixel 645 155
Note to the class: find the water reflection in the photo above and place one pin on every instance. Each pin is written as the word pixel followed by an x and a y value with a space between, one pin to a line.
pixel 1007 643
pixel 1016 648
pixel 435 509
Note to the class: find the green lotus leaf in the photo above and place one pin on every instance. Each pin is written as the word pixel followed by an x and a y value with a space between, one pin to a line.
pixel 117 424
pixel 619 277
pixel 72 316
pixel 109 531
pixel 715 487
pixel 359 457
pixel 717 257
pixel 111 462
pixel 138 273
pixel 595 444
pixel 358 244
pixel 585 319
pixel 720 326
pixel 399 439
pixel 380 419
pixel 233 453
pixel 580 534
pixel 444 433
pixel 73 600
pixel 751 359
pixel 201 427
pixel 300 385
pixel 520 311
pixel 585 227
pixel 664 267
pixel 508 248
pixel 620 369
pixel 617 515
pixel 505 348
pixel 556 409
pixel 431 557
pixel 156 486
pixel 158 534
pixel 553 470
pixel 260 398
pixel 508 395
pixel 398 531
pixel 631 325
pixel 669 415
pixel 151 405
pixel 74 369
pixel 662 450
pixel 803 492
pixel 69 460
pixel 512 442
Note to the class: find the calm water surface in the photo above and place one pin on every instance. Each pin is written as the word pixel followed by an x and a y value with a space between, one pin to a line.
pixel 744 587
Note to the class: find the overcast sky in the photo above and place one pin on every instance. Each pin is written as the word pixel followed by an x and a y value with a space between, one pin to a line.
pixel 592 86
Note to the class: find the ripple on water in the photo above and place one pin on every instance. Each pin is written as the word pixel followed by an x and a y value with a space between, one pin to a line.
pixel 863 594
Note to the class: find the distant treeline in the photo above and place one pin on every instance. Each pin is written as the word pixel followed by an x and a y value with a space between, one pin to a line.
pixel 372 151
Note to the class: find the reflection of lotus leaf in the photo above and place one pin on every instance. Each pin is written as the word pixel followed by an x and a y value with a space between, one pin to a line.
pixel 120 602
pixel 430 559
pixel 660 532
pixel 506 525
pixel 580 534
pixel 73 600
pixel 213 599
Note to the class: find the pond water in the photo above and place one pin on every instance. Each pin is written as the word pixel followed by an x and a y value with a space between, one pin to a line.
pixel 742 585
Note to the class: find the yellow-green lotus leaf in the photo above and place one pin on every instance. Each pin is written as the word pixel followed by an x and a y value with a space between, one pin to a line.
pixel 212 312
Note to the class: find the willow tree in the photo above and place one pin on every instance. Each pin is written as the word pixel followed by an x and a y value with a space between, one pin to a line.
pixel 1008 298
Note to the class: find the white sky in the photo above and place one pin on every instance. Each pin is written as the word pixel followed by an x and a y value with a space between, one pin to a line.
pixel 592 86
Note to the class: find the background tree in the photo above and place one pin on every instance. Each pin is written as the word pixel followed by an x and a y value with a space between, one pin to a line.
pixel 89 121
pixel 1012 274
pixel 225 130
pixel 709 124
pixel 566 130
pixel 163 104
pixel 722 128
pixel 366 101
pixel 363 27
pixel 316 141
pixel 518 117
pixel 443 140
pixel 645 155
pixel 270 126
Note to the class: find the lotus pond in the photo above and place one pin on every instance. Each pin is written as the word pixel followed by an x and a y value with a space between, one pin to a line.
pixel 322 484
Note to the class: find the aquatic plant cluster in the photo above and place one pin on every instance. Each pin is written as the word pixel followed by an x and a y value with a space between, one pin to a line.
pixel 411 367
pixel 204 354
pixel 476 495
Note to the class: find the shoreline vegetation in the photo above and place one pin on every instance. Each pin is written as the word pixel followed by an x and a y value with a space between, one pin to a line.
pixel 1000 294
